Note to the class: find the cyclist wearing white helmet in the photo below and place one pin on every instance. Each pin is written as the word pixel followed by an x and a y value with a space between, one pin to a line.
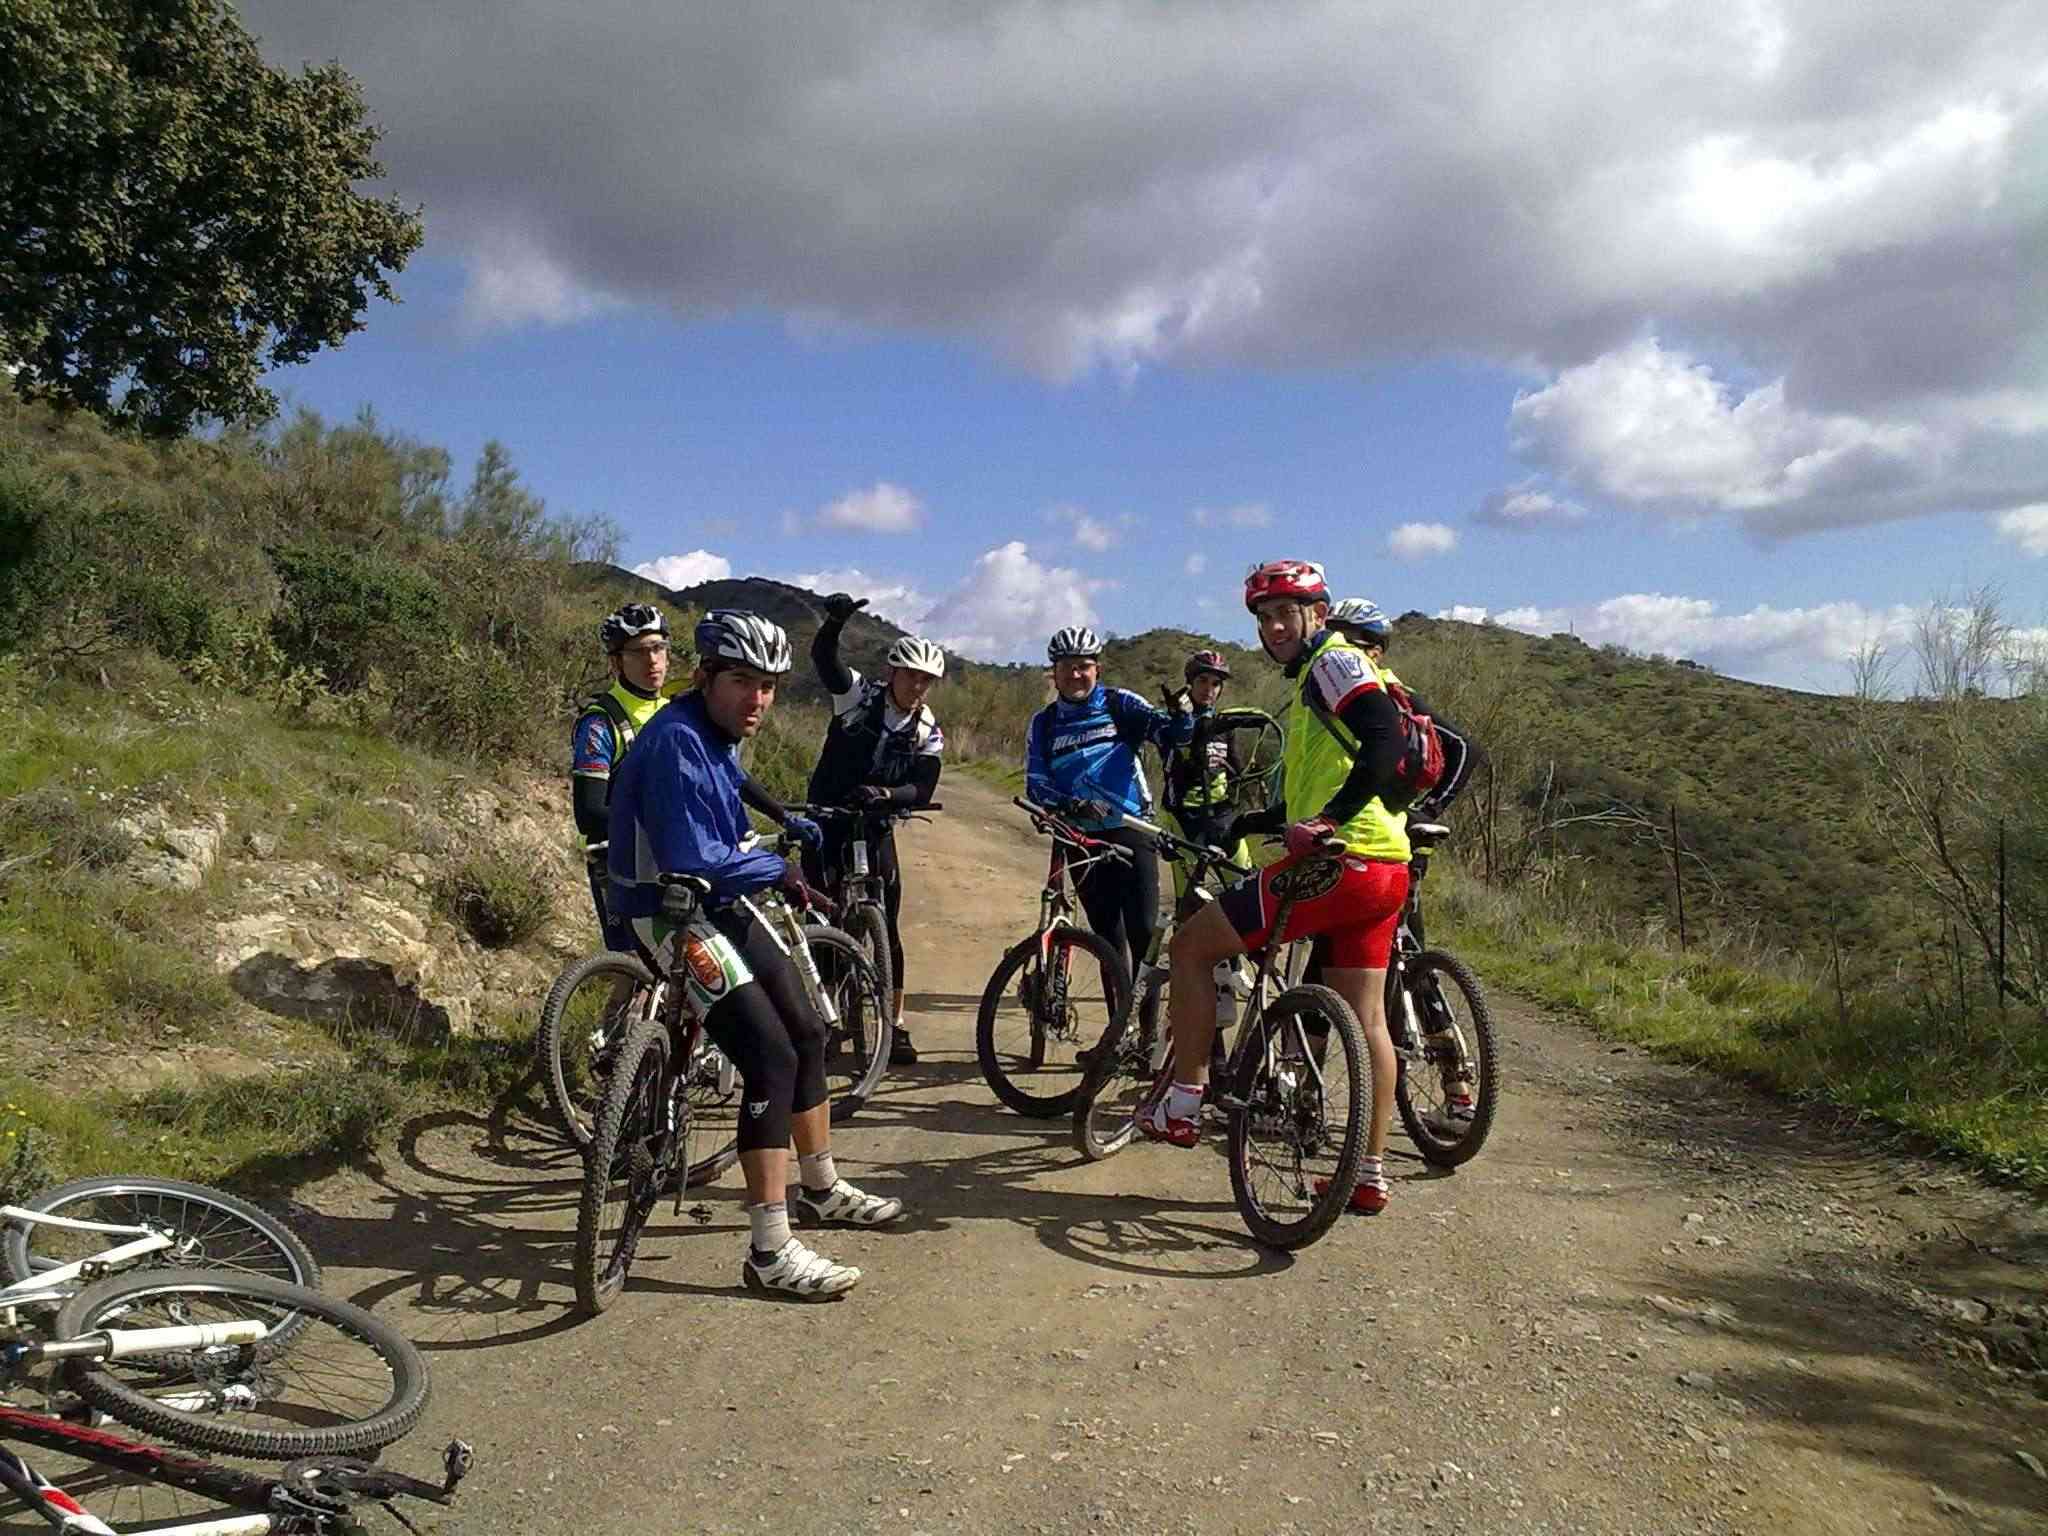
pixel 1361 621
pixel 1081 754
pixel 677 809
pixel 635 640
pixel 881 754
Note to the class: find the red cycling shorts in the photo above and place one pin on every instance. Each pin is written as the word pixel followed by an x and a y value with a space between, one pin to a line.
pixel 1353 904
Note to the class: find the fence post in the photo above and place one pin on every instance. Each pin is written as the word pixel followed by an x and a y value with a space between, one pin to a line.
pixel 1678 876
pixel 2001 915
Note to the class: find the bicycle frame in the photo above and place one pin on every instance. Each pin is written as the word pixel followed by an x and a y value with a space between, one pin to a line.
pixel 50 1288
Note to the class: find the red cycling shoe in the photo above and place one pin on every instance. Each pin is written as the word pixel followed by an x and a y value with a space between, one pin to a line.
pixel 1156 1125
pixel 1366 1199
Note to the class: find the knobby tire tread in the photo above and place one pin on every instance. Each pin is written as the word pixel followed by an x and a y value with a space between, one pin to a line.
pixel 591 1260
pixel 1344 1028
pixel 1485 1047
pixel 1118 985
pixel 15 1256
pixel 548 1040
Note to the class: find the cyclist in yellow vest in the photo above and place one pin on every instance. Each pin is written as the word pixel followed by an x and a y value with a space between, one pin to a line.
pixel 636 650
pixel 1199 776
pixel 1347 870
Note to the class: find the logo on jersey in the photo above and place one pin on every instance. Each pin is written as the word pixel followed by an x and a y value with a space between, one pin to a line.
pixel 704 967
pixel 1308 880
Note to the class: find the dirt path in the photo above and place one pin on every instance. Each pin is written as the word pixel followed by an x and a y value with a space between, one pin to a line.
pixel 1653 1305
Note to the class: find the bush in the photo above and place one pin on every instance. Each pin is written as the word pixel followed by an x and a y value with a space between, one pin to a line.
pixel 66 833
pixel 337 1108
pixel 27 1156
pixel 498 896
pixel 347 612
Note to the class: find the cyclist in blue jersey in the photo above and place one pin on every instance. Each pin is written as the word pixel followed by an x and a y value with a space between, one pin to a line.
pixel 1081 754
pixel 677 809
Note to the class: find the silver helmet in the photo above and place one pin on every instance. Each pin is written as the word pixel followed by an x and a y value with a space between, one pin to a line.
pixel 914 653
pixel 1077 642
pixel 743 639
pixel 1363 615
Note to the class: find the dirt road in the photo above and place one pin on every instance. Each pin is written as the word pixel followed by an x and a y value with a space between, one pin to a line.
pixel 1653 1305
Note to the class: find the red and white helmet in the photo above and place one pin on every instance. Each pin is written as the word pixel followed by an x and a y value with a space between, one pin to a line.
pixel 1301 580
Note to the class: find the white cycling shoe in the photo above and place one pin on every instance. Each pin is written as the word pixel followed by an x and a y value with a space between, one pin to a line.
pixel 848 1205
pixel 797 1271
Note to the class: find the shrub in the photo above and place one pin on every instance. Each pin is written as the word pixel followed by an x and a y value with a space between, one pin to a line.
pixel 499 896
pixel 65 832
pixel 346 612
pixel 27 1156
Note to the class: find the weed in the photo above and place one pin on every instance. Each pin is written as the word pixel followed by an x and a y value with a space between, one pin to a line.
pixel 499 896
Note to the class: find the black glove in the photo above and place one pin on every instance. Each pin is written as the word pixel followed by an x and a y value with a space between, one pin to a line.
pixel 1179 702
pixel 841 606
pixel 869 797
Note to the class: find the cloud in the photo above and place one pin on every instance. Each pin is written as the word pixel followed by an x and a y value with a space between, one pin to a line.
pixel 900 602
pixel 1195 564
pixel 1089 532
pixel 1421 541
pixel 1797 647
pixel 1009 604
pixel 2028 528
pixel 881 508
pixel 1526 509
pixel 1246 514
pixel 678 571
pixel 511 284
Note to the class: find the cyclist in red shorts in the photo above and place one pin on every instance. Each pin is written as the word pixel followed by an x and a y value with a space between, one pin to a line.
pixel 1347 869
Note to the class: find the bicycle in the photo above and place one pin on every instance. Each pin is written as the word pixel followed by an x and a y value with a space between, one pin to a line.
pixel 278 1347
pixel 853 894
pixel 646 1124
pixel 1276 1087
pixel 1026 1050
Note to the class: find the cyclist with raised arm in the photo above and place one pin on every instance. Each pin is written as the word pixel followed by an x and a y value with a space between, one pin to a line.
pixel 677 810
pixel 635 641
pixel 1199 777
pixel 882 753
pixel 1348 874
pixel 1081 755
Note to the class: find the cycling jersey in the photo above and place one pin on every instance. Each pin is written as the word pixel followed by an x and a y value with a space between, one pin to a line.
pixel 1198 775
pixel 604 731
pixel 676 809
pixel 1318 761
pixel 1088 750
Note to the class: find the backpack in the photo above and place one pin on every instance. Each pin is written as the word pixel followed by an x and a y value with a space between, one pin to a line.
pixel 1421 764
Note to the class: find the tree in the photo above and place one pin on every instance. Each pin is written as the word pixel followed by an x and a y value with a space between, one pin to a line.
pixel 175 214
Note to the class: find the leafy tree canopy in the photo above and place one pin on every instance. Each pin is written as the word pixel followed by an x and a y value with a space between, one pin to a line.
pixel 175 214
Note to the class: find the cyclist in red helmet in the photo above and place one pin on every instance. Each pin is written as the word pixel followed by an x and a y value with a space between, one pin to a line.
pixel 1341 757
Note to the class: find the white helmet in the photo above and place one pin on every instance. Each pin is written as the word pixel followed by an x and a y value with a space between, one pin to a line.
pixel 1363 615
pixel 746 639
pixel 914 653
pixel 1076 642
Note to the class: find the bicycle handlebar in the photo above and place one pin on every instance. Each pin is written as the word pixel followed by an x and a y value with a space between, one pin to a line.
pixel 850 813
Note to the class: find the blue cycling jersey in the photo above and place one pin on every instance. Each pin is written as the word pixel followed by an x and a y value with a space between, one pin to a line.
pixel 676 810
pixel 1089 751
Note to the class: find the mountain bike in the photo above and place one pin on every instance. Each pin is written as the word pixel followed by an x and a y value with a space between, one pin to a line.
pixel 1040 1005
pixel 649 1132
pixel 1297 1109
pixel 284 1372
pixel 853 896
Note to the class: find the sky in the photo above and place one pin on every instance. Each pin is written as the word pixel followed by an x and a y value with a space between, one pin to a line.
pixel 1717 331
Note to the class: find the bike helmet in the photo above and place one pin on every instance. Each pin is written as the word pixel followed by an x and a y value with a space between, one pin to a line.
pixel 1361 615
pixel 1301 580
pixel 913 653
pixel 744 640
pixel 1210 662
pixel 630 623
pixel 1077 642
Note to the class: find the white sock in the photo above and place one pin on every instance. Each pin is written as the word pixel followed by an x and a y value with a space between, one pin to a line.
pixel 1183 1101
pixel 771 1226
pixel 1372 1172
pixel 817 1171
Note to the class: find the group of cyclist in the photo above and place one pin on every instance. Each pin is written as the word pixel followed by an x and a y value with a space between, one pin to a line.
pixel 671 859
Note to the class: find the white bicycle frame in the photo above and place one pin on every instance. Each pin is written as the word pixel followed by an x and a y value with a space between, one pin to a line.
pixel 51 1287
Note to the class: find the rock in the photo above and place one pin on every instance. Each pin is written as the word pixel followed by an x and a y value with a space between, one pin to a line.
pixel 1698 1379
pixel 1947 1503
pixel 172 858
pixel 1695 1219
pixel 2032 1463
pixel 260 845
pixel 1710 1241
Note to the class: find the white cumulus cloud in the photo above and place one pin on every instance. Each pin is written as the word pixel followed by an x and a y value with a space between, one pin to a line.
pixel 900 602
pixel 678 571
pixel 1245 514
pixel 1091 533
pixel 1009 604
pixel 1527 509
pixel 1421 541
pixel 2027 527
pixel 881 508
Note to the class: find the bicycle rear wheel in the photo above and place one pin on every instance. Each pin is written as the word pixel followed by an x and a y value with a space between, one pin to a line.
pixel 582 1024
pixel 631 1157
pixel 210 1229
pixel 711 1136
pixel 1302 1083
pixel 1051 994
pixel 857 1047
pixel 1125 1071
pixel 1458 1045
pixel 331 1379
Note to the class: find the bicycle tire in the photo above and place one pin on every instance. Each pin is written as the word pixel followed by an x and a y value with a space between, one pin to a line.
pixel 1341 1024
pixel 626 1122
pixel 1001 1080
pixel 262 1245
pixel 1101 1131
pixel 857 1052
pixel 711 1136
pixel 98 1382
pixel 552 1038
pixel 1485 1048
pixel 870 926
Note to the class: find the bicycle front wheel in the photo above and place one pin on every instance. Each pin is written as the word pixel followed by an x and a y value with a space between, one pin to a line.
pixel 331 1380
pixel 630 1160
pixel 1053 993
pixel 870 925
pixel 1126 1070
pixel 582 1025
pixel 209 1229
pixel 1302 1091
pixel 1459 1050
pixel 857 1047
